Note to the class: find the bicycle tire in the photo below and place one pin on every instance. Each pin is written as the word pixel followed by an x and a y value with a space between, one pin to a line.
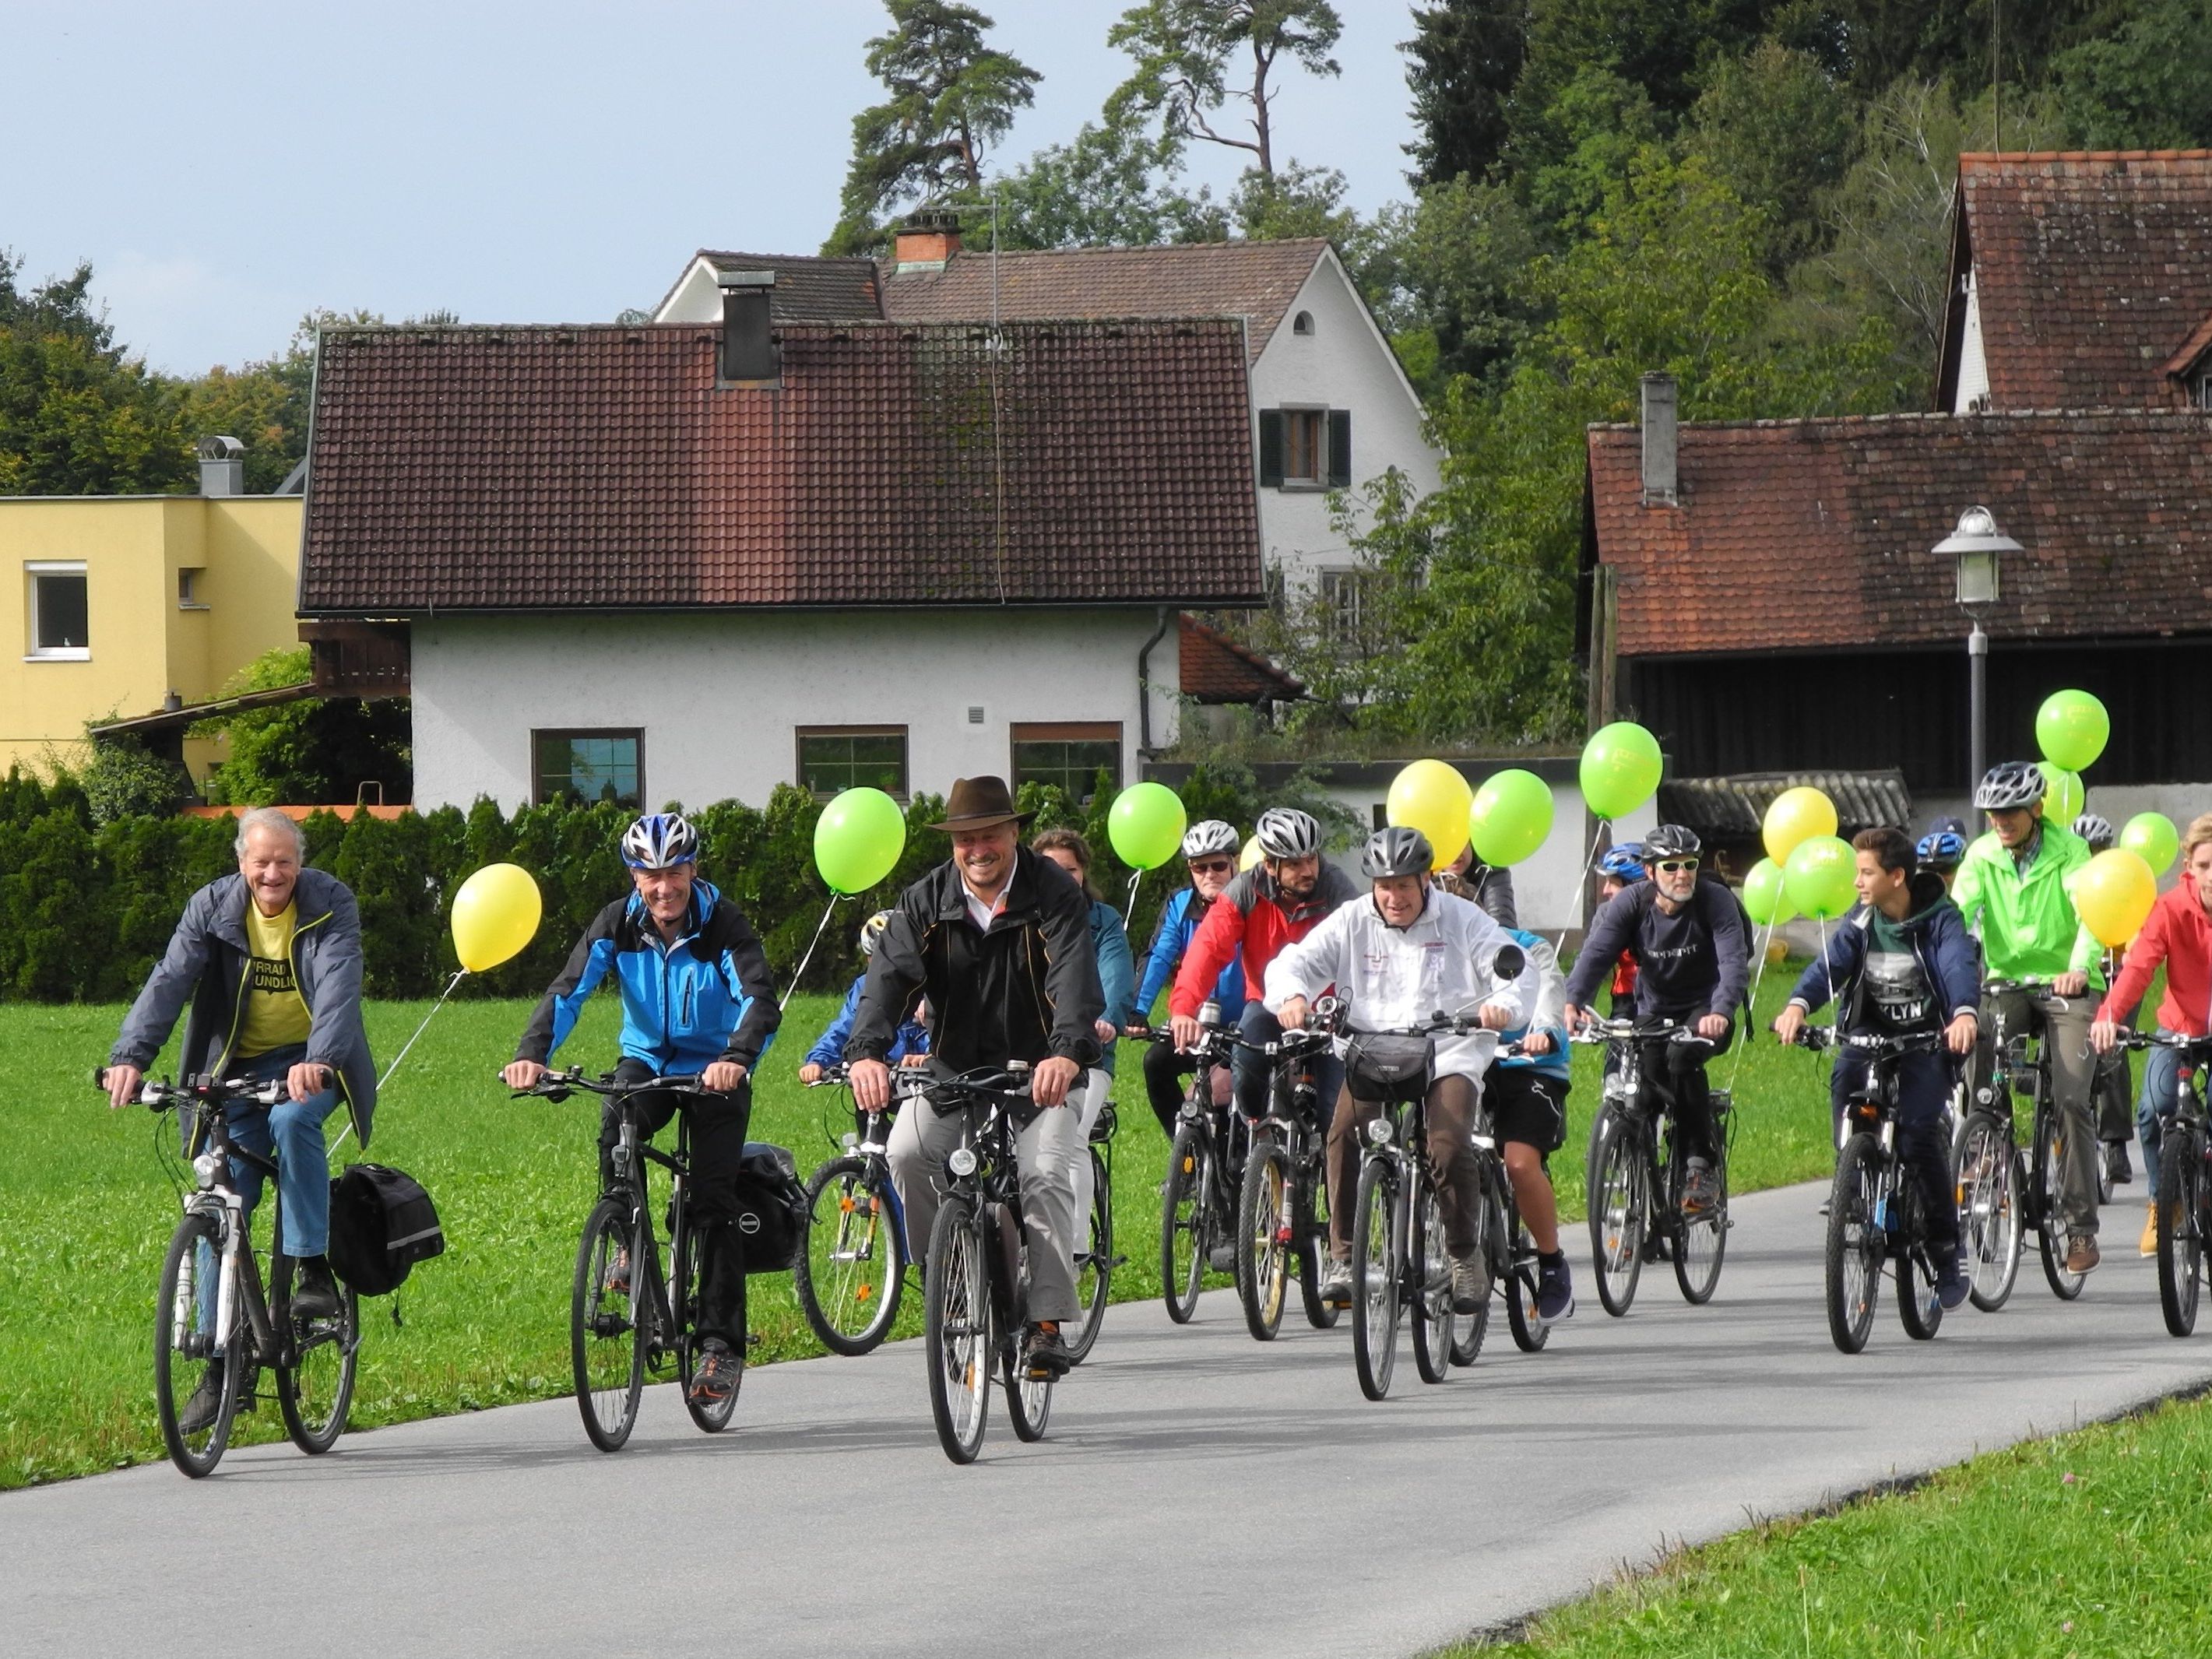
pixel 1920 1308
pixel 314 1392
pixel 851 1276
pixel 1094 1268
pixel 606 1354
pixel 1184 1214
pixel 1851 1279
pixel 1029 1400
pixel 1377 1276
pixel 1617 1194
pixel 2050 1238
pixel 1264 1243
pixel 1429 1276
pixel 1989 1222
pixel 958 1329
pixel 1700 1242
pixel 2180 1221
pixel 175 1340
pixel 1309 1205
pixel 711 1417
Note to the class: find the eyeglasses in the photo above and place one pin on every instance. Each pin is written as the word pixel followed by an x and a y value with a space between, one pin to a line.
pixel 1212 866
pixel 1670 866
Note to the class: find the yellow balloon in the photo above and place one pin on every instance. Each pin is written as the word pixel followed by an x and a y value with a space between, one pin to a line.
pixel 495 914
pixel 1797 815
pixel 2112 894
pixel 1435 800
pixel 1251 856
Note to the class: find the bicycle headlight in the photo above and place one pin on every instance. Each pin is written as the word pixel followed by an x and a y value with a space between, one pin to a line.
pixel 204 1170
pixel 1379 1132
pixel 963 1161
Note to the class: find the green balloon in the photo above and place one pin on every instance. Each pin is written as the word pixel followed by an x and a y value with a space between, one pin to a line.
pixel 2152 837
pixel 2063 797
pixel 857 840
pixel 1145 825
pixel 1621 768
pixel 1818 878
pixel 2073 728
pixel 1510 817
pixel 1766 894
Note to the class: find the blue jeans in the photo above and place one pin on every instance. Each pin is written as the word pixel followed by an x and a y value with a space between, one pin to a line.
pixel 1251 1070
pixel 2161 1094
pixel 294 1130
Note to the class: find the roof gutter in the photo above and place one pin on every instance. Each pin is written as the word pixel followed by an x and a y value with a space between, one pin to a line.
pixel 1145 687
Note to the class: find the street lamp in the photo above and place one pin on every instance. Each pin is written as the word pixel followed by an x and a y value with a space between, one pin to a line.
pixel 1978 543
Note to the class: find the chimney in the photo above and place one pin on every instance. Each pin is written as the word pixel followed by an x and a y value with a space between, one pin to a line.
pixel 222 467
pixel 1660 473
pixel 927 240
pixel 750 355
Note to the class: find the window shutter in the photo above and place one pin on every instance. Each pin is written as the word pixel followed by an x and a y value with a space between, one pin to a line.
pixel 1271 448
pixel 1339 448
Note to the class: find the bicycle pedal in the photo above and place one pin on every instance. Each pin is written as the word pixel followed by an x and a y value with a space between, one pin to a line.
pixel 754 1338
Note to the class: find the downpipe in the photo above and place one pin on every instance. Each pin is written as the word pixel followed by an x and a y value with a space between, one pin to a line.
pixel 1145 687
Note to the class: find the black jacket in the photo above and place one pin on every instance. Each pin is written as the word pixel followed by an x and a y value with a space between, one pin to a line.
pixel 1028 989
pixel 1694 963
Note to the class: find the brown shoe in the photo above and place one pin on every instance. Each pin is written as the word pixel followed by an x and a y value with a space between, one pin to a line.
pixel 2082 1254
pixel 2149 1245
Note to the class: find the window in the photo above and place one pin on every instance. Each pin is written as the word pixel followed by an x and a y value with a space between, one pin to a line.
pixel 588 766
pixel 189 579
pixel 60 611
pixel 2203 390
pixel 1305 448
pixel 1305 435
pixel 835 757
pixel 1347 600
pixel 1068 754
pixel 1302 323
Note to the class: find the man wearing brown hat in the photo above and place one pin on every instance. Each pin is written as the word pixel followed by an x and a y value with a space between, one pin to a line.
pixel 997 939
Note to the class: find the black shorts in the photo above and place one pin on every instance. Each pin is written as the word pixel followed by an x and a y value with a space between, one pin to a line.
pixel 1528 1106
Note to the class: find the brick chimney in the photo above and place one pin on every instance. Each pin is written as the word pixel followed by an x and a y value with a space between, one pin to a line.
pixel 927 240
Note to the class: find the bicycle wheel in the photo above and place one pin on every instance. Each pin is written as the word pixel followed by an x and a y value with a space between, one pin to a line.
pixel 1989 1209
pixel 1183 1241
pixel 1620 1203
pixel 182 1350
pixel 1701 1241
pixel 2181 1205
pixel 1094 1266
pixel 1429 1271
pixel 713 1416
pixel 1309 1207
pixel 957 1329
pixel 606 1351
pixel 1377 1277
pixel 1856 1244
pixel 2050 1240
pixel 1919 1309
pixel 1028 1402
pixel 1264 1241
pixel 1530 1333
pixel 851 1275
pixel 315 1391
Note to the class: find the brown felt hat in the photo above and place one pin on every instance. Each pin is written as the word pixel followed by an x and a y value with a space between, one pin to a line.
pixel 979 803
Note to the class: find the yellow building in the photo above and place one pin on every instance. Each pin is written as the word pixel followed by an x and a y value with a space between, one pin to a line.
pixel 120 602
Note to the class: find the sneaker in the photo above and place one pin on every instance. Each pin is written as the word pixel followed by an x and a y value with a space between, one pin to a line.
pixel 1827 1204
pixel 2118 1171
pixel 2149 1245
pixel 200 1410
pixel 1335 1288
pixel 1470 1283
pixel 316 1294
pixel 2082 1253
pixel 1222 1258
pixel 617 1283
pixel 1950 1283
pixel 1702 1190
pixel 1555 1289
pixel 1048 1354
pixel 719 1372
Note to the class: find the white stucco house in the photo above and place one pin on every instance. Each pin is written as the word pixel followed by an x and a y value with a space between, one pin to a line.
pixel 694 560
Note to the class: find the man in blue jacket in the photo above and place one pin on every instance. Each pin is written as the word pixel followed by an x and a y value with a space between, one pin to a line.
pixel 696 1001
pixel 1902 964
pixel 1209 850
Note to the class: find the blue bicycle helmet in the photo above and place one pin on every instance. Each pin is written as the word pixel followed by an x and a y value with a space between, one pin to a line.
pixel 658 840
pixel 1940 849
pixel 1624 863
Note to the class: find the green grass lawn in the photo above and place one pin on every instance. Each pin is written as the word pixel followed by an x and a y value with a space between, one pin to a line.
pixel 89 1205
pixel 2093 1543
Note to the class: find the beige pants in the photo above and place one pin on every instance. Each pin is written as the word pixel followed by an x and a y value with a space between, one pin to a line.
pixel 923 1139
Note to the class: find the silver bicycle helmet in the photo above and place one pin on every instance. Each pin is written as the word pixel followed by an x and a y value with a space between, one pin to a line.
pixel 1396 852
pixel 1671 841
pixel 2097 830
pixel 1284 832
pixel 658 840
pixel 1210 836
pixel 2008 785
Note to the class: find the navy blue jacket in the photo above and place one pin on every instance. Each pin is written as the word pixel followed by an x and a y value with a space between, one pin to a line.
pixel 1940 940
pixel 829 1049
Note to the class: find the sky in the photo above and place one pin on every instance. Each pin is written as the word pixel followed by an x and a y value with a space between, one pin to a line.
pixel 228 169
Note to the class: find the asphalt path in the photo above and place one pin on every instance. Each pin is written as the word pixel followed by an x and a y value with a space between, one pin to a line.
pixel 1197 1493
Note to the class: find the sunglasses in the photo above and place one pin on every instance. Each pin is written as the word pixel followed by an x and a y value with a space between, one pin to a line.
pixel 1670 866
pixel 1212 866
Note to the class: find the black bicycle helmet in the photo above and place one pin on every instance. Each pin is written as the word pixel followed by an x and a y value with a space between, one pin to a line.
pixel 2010 786
pixel 1284 832
pixel 2097 830
pixel 1671 841
pixel 1396 851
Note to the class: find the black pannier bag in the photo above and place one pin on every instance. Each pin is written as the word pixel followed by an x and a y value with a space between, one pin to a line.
pixel 771 1208
pixel 382 1223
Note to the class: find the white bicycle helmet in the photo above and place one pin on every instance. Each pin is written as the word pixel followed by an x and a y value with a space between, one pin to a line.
pixel 871 930
pixel 2097 830
pixel 1210 836
pixel 2008 785
pixel 658 840
pixel 1284 832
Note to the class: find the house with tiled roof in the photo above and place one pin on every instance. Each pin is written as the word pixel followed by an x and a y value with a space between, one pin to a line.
pixel 694 561
pixel 1330 407
pixel 1765 596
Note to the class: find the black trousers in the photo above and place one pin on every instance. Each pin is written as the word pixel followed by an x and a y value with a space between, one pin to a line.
pixel 1924 1129
pixel 1675 1073
pixel 1164 1070
pixel 718 1144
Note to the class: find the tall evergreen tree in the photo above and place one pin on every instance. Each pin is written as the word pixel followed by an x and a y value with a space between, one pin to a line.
pixel 1466 56
pixel 1187 51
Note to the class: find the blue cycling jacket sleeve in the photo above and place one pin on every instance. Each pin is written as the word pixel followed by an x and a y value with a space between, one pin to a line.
pixel 557 1011
pixel 829 1049
pixel 1168 946
pixel 744 967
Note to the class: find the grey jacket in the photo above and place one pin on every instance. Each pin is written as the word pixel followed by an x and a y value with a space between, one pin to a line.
pixel 207 962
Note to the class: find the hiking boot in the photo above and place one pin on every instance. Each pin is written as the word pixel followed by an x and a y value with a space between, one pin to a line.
pixel 1470 1283
pixel 1335 1287
pixel 719 1372
pixel 2149 1245
pixel 315 1296
pixel 1950 1283
pixel 2118 1171
pixel 1555 1289
pixel 1048 1356
pixel 2082 1253
pixel 1702 1190
pixel 201 1409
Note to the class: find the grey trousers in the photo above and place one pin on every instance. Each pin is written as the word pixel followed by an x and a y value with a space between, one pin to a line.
pixel 921 1141
pixel 2064 1024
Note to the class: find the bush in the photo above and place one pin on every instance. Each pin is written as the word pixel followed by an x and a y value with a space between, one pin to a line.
pixel 124 781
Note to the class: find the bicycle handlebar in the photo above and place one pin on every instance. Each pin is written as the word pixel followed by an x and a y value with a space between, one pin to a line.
pixel 559 1085
pixel 1605 1031
pixel 1869 1042
pixel 162 1096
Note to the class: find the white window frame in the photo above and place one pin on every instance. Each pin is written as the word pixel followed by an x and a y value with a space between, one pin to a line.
pixel 33 651
pixel 191 578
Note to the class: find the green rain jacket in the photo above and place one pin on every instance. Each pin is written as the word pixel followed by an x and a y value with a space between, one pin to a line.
pixel 2027 923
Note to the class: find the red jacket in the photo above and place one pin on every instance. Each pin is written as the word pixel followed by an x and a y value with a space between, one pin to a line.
pixel 1249 915
pixel 2179 934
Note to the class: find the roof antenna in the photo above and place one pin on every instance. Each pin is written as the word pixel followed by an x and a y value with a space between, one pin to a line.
pixel 994 264
pixel 1997 79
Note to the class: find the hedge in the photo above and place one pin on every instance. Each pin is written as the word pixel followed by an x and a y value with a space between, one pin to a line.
pixel 86 908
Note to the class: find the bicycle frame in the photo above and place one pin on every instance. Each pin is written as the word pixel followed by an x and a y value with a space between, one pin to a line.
pixel 238 1274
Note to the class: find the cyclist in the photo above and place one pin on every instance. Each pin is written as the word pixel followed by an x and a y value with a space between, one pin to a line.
pixel 910 1047
pixel 2108 1085
pixel 270 959
pixel 1275 905
pixel 1490 886
pixel 997 939
pixel 1529 1111
pixel 2177 934
pixel 1117 980
pixel 1405 951
pixel 1693 950
pixel 1940 849
pixel 1209 851
pixel 2012 889
pixel 696 1000
pixel 1901 965
pixel 1621 868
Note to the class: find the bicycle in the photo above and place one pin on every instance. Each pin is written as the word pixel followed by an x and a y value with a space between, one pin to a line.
pixel 1505 1241
pixel 1876 1211
pixel 1205 1172
pixel 2183 1200
pixel 851 1277
pixel 1282 1206
pixel 1636 1155
pixel 1096 1261
pixel 624 1317
pixel 210 1308
pixel 2018 1066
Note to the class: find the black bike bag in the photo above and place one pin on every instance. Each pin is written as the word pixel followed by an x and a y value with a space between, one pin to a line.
pixel 771 1208
pixel 1388 1066
pixel 382 1223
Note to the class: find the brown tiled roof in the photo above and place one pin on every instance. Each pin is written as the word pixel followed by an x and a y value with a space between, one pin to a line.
pixel 1216 669
pixel 2090 269
pixel 537 468
pixel 1810 534
pixel 2193 351
pixel 809 289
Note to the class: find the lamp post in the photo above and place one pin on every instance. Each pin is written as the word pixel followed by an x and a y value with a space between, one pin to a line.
pixel 1977 544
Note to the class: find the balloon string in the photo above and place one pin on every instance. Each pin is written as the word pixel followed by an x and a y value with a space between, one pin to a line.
pixel 1589 864
pixel 403 1048
pixel 1130 920
pixel 1751 1015
pixel 800 973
